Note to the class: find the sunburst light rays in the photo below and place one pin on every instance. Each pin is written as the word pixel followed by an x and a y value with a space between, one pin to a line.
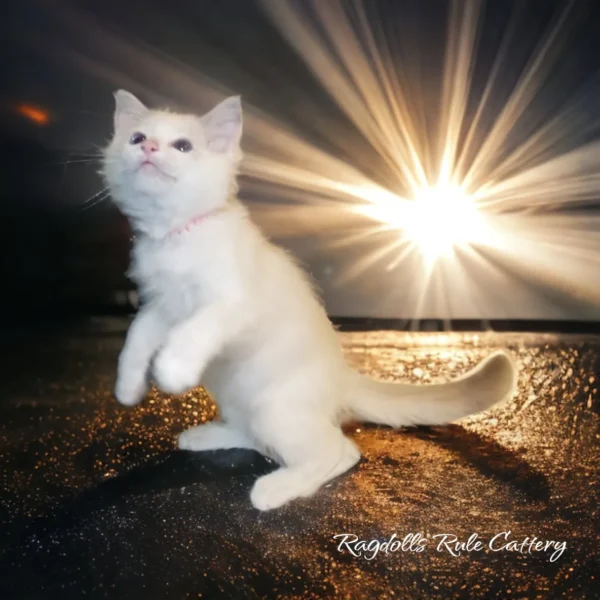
pixel 477 177
pixel 478 184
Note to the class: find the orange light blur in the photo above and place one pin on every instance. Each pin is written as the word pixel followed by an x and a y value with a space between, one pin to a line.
pixel 37 115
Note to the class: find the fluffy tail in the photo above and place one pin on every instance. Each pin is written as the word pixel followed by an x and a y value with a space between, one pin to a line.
pixel 403 404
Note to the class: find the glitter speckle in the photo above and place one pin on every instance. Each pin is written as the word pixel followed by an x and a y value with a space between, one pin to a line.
pixel 96 499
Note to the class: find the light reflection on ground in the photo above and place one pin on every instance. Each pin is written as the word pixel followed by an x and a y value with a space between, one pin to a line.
pixel 112 492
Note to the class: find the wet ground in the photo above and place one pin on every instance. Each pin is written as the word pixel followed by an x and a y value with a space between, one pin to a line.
pixel 96 502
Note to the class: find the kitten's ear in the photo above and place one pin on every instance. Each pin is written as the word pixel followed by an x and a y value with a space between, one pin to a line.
pixel 223 125
pixel 128 110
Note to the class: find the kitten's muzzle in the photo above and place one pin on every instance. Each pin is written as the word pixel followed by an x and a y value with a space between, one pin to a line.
pixel 149 146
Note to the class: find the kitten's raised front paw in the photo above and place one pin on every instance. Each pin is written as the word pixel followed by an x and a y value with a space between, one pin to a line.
pixel 174 374
pixel 131 390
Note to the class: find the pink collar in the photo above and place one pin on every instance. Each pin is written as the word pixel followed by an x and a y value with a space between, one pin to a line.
pixel 193 222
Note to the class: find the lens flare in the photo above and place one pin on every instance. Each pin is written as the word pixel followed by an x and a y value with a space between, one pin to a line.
pixel 36 115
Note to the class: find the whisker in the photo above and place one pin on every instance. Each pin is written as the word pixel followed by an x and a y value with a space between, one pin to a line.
pixel 89 204
pixel 103 193
pixel 76 161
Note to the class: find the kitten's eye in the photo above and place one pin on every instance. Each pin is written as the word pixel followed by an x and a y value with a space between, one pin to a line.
pixel 182 145
pixel 137 138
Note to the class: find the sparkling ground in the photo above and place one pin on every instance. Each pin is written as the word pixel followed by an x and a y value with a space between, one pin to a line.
pixel 96 502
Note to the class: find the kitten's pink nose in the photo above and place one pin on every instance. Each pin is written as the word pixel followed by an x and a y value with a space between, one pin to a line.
pixel 149 146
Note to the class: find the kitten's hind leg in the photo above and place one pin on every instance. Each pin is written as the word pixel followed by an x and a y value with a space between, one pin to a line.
pixel 320 456
pixel 213 436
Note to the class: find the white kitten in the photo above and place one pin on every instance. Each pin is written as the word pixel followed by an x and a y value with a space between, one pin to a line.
pixel 224 308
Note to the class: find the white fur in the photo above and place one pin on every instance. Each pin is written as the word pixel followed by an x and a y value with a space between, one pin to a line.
pixel 225 308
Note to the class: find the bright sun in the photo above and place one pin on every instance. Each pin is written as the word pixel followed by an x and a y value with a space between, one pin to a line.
pixel 436 221
pixel 441 218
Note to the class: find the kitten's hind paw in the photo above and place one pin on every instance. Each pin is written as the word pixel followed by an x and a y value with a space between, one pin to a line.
pixel 213 436
pixel 276 489
pixel 288 483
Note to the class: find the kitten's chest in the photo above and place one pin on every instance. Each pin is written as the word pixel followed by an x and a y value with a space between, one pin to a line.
pixel 180 278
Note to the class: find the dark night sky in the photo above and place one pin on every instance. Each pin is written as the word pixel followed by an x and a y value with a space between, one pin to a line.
pixel 56 254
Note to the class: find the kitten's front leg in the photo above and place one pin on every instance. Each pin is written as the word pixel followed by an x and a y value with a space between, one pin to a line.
pixel 191 345
pixel 145 336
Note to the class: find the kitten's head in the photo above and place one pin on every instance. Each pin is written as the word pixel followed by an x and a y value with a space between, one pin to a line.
pixel 164 169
